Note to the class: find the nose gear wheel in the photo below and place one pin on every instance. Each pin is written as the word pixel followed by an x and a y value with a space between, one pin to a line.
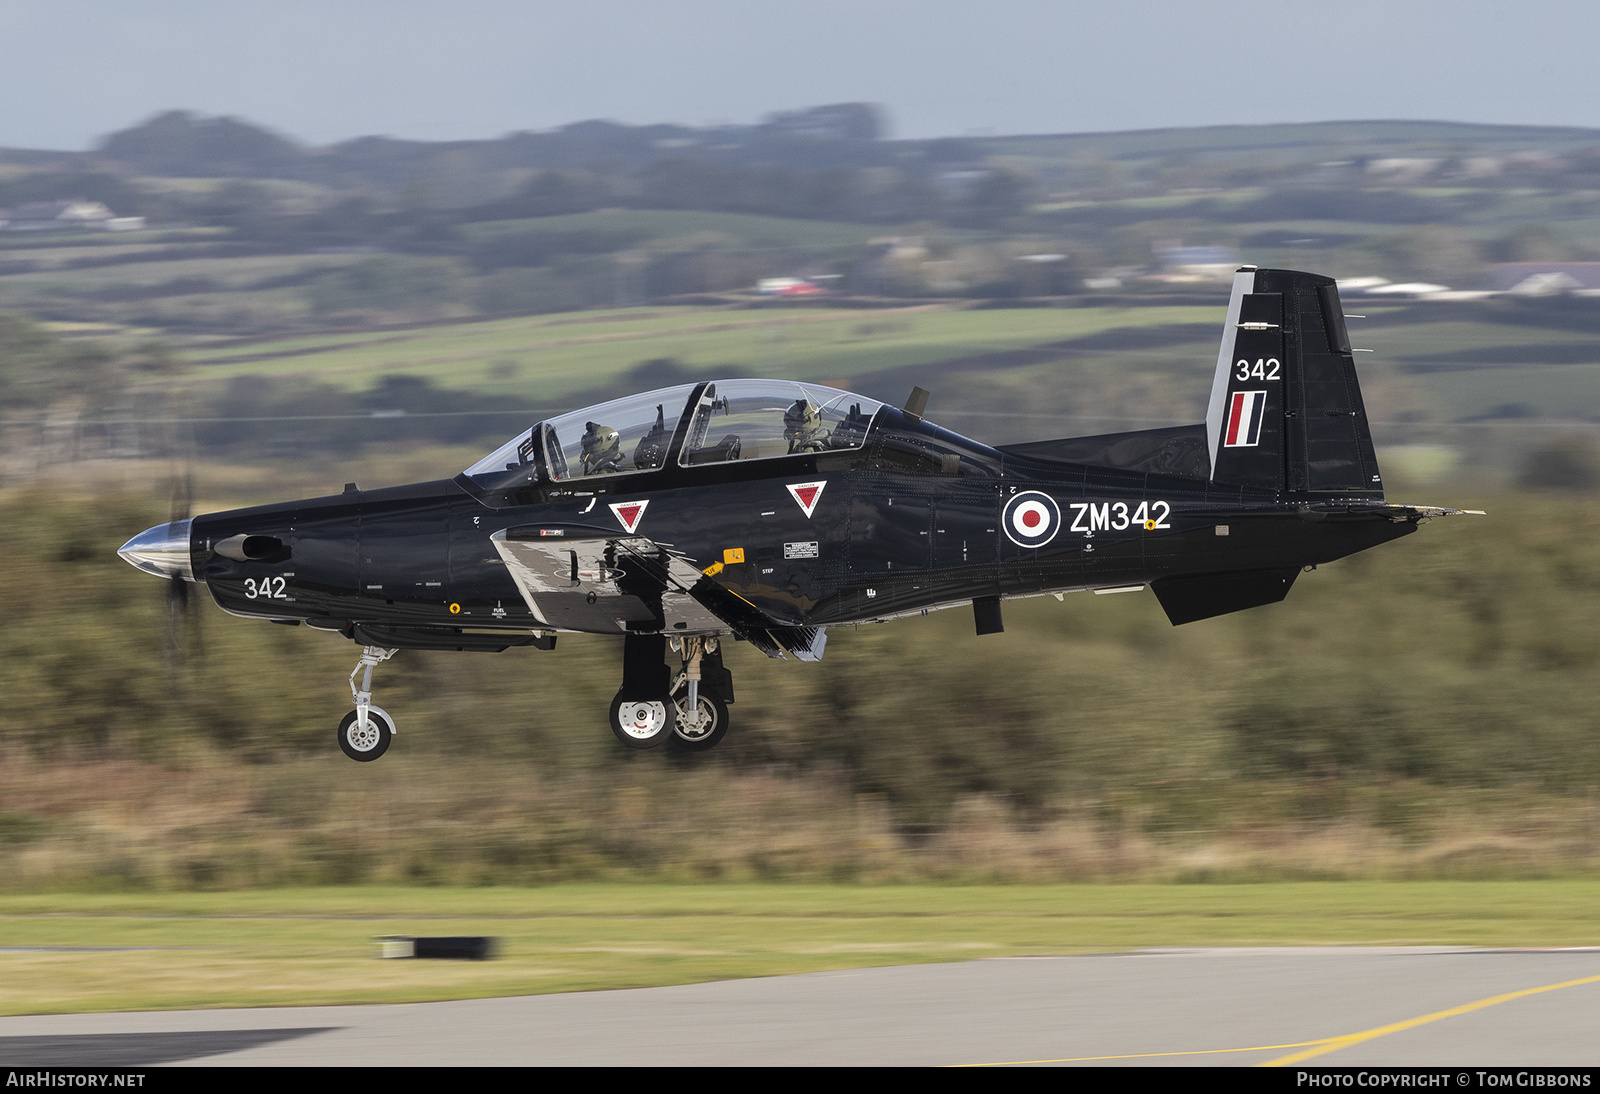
pixel 366 740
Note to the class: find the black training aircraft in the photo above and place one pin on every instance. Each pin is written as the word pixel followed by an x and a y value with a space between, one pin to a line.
pixel 770 510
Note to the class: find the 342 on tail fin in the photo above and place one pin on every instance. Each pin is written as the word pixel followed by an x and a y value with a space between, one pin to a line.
pixel 1286 413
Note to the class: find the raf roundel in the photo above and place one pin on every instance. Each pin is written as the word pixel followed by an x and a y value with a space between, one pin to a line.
pixel 1031 519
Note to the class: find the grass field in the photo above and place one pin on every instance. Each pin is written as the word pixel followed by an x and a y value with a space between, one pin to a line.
pixel 225 272
pixel 666 225
pixel 999 375
pixel 283 947
pixel 809 343
pixel 557 357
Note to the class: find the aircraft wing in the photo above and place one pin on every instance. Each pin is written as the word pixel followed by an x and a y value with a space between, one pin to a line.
pixel 583 578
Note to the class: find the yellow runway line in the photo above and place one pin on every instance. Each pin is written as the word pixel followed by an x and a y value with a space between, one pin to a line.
pixel 1313 1048
pixel 1335 1043
pixel 1142 1055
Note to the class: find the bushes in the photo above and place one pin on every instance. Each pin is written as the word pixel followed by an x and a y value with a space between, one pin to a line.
pixel 1462 659
pixel 1566 463
pixel 409 287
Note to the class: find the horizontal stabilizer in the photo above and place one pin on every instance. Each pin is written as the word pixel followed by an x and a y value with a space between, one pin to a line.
pixel 1201 596
pixel 1379 510
pixel 1439 511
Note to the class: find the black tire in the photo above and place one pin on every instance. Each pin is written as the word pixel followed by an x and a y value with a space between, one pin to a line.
pixel 643 723
pixel 381 731
pixel 708 738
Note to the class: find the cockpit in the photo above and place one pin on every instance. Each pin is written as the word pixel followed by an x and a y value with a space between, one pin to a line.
pixel 690 426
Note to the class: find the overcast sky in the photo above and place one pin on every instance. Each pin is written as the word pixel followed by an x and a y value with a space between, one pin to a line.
pixel 326 70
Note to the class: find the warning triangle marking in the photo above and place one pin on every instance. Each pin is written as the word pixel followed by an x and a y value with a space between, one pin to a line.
pixel 806 494
pixel 629 513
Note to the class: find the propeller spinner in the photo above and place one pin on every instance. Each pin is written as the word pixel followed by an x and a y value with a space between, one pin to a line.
pixel 162 550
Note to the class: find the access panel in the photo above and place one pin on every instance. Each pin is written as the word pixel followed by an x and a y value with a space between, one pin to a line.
pixel 890 535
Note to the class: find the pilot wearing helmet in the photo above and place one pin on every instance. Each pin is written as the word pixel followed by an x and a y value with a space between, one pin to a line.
pixel 602 449
pixel 802 428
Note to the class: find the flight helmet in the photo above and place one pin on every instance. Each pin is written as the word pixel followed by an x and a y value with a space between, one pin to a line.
pixel 602 449
pixel 802 426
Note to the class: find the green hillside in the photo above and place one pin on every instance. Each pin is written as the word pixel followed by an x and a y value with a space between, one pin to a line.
pixel 694 227
pixel 1294 140
pixel 558 357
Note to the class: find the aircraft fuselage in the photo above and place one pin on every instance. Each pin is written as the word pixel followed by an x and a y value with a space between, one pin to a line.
pixel 878 541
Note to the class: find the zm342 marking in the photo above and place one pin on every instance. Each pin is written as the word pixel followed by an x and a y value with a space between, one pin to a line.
pixel 767 511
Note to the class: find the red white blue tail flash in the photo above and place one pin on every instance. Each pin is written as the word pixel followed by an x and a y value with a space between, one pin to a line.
pixel 1244 419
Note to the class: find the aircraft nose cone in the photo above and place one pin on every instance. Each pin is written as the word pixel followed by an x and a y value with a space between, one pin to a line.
pixel 162 550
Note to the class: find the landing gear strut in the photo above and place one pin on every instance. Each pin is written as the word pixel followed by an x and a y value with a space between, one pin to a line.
pixel 365 732
pixel 702 715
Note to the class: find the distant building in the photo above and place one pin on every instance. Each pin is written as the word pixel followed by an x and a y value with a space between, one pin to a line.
pixel 1178 263
pixel 1414 289
pixel 1171 256
pixel 1361 284
pixel 1544 278
pixel 34 216
pixel 961 183
pixel 1537 159
pixel 837 122
pixel 1481 167
pixel 787 286
pixel 1409 290
pixel 1400 168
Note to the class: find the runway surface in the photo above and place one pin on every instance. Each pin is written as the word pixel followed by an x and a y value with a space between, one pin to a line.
pixel 1334 1006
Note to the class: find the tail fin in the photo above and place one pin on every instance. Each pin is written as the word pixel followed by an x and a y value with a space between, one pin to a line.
pixel 1286 411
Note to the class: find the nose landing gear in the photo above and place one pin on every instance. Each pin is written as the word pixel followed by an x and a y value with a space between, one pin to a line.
pixel 365 732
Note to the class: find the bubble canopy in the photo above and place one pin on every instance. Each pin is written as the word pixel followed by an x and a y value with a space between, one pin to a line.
pixel 731 420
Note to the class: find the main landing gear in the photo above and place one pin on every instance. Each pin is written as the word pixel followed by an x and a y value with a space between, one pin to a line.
pixel 702 716
pixel 643 722
pixel 688 710
pixel 365 732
